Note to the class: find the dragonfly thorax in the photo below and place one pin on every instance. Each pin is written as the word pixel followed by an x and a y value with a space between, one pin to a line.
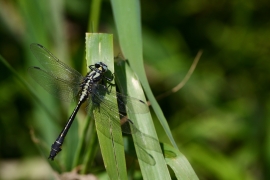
pixel 93 77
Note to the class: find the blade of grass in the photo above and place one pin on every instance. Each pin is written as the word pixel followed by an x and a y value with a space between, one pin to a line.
pixel 128 83
pixel 99 47
pixel 93 22
pixel 127 19
pixel 179 163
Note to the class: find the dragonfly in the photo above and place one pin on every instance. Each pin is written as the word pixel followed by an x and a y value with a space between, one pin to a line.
pixel 68 84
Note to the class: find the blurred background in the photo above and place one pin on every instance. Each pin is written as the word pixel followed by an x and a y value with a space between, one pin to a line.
pixel 219 119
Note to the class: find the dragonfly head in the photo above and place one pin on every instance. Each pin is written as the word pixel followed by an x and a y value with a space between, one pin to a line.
pixel 101 67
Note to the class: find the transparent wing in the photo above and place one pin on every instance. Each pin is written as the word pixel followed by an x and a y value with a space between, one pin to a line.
pixel 107 125
pixel 145 156
pixel 108 122
pixel 60 88
pixel 104 99
pixel 109 119
pixel 124 103
pixel 53 65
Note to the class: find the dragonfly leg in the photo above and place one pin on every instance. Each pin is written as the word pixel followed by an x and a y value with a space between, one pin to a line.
pixel 91 67
pixel 110 78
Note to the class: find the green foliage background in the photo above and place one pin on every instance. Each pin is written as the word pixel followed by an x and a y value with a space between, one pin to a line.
pixel 220 119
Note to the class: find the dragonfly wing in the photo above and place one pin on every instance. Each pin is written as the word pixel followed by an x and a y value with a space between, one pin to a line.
pixel 111 108
pixel 60 88
pixel 127 126
pixel 145 141
pixel 131 105
pixel 106 100
pixel 145 156
pixel 125 104
pixel 107 124
pixel 53 65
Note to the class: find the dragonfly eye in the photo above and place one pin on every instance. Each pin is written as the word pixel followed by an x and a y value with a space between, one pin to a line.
pixel 103 67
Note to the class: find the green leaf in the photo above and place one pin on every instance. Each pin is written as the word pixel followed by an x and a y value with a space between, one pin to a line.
pixel 179 164
pixel 152 163
pixel 127 19
pixel 99 47
pixel 94 16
